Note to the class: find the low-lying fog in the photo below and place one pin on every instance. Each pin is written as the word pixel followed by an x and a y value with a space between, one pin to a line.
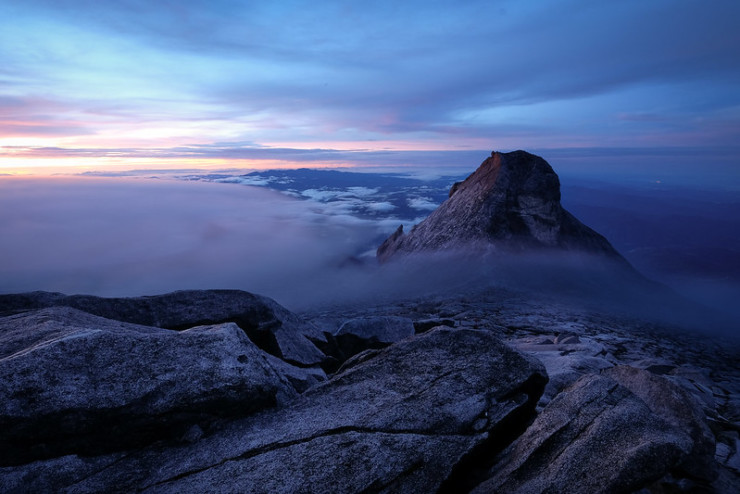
pixel 130 237
pixel 121 237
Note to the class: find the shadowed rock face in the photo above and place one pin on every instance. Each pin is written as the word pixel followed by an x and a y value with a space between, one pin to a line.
pixel 512 202
pixel 357 335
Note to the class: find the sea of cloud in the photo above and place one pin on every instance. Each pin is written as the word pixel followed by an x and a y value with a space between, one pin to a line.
pixel 125 236
pixel 129 236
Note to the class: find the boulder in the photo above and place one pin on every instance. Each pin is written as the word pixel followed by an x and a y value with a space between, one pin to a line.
pixel 567 339
pixel 595 437
pixel 423 325
pixel 71 382
pixel 565 362
pixel 361 334
pixel 679 408
pixel 269 325
pixel 407 418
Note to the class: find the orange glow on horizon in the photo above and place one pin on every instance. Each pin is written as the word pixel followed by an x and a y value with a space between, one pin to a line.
pixel 24 156
pixel 76 165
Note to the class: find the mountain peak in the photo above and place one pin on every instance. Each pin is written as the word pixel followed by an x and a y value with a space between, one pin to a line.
pixel 511 202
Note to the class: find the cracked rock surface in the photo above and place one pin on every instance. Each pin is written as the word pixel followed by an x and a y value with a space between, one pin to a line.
pixel 72 382
pixel 464 405
pixel 645 357
pixel 596 431
pixel 617 432
pixel 401 421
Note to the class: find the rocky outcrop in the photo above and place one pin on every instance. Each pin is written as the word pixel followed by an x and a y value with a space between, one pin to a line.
pixel 566 358
pixel 599 432
pixel 511 202
pixel 361 334
pixel 269 325
pixel 71 382
pixel 101 405
pixel 573 341
pixel 677 407
pixel 408 419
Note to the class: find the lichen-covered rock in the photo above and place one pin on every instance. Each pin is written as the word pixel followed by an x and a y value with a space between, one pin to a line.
pixel 269 325
pixel 400 421
pixel 71 382
pixel 595 437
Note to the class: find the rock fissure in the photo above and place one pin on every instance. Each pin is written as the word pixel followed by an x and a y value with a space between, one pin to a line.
pixel 583 430
pixel 99 471
pixel 287 444
pixel 471 470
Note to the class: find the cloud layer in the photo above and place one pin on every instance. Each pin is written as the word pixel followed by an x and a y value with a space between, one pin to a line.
pixel 131 237
pixel 134 236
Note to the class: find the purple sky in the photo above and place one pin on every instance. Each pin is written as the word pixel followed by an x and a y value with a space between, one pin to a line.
pixel 264 84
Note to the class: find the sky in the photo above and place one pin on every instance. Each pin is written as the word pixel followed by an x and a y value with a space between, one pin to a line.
pixel 263 84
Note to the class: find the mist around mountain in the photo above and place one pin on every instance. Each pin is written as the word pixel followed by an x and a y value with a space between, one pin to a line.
pixel 364 195
pixel 308 237
pixel 686 238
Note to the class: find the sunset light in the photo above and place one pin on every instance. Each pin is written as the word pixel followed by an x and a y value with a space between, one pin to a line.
pixel 95 85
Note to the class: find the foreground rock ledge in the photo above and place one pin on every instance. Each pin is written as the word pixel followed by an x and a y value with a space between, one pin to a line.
pixel 599 435
pixel 408 419
pixel 72 382
pixel 268 324
pixel 448 411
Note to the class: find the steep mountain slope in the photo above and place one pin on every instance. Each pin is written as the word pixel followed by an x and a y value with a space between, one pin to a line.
pixel 511 202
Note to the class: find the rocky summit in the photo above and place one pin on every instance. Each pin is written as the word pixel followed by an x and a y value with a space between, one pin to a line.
pixel 487 391
pixel 511 202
